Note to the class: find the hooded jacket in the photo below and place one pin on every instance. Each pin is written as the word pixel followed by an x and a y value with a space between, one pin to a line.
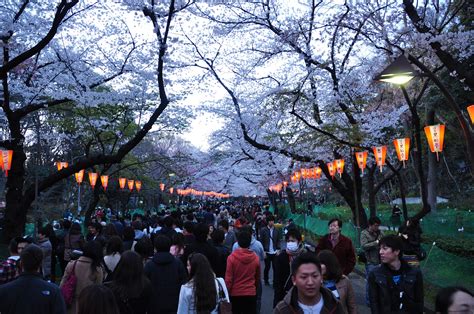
pixel 243 273
pixel 166 274
pixel 290 303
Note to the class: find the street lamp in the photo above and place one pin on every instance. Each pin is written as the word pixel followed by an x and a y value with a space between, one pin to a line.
pixel 398 72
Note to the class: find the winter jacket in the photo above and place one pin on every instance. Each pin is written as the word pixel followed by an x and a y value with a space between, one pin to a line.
pixel 29 293
pixel 204 248
pixel 368 242
pixel 346 295
pixel 344 251
pixel 85 277
pixel 72 242
pixel 265 238
pixel 242 275
pixel 230 239
pixel 166 274
pixel 387 297
pixel 140 304
pixel 47 249
pixel 289 305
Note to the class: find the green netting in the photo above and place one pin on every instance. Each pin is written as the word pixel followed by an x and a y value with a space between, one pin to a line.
pixel 445 269
pixel 440 269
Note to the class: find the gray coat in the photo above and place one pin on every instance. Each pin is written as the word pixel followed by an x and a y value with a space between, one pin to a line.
pixel 47 249
pixel 368 242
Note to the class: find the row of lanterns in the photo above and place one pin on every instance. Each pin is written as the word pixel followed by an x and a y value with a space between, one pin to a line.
pixel 104 179
pixel 434 135
pixel 185 192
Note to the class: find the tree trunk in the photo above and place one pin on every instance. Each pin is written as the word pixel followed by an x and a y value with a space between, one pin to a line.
pixel 291 199
pixel 371 191
pixel 432 178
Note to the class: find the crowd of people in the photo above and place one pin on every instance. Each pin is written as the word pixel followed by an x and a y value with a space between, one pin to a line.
pixel 209 259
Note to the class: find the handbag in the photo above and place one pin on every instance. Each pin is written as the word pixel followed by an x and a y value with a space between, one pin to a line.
pixel 224 306
pixel 69 286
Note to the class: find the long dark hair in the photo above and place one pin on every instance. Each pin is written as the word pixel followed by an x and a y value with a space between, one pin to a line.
pixel 333 268
pixel 444 298
pixel 129 279
pixel 204 286
pixel 97 299
pixel 93 250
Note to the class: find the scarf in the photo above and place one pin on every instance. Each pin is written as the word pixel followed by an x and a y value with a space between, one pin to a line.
pixel 294 253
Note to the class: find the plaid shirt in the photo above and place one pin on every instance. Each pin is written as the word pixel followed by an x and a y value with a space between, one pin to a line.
pixel 8 270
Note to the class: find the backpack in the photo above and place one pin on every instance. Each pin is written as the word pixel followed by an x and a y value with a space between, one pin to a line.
pixel 69 287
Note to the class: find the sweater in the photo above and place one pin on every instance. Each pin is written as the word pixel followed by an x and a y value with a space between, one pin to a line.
pixel 243 273
pixel 344 251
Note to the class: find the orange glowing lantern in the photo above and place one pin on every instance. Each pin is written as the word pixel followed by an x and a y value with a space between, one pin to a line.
pixel 79 176
pixel 105 181
pixel 285 184
pixel 293 179
pixel 130 184
pixel 318 172
pixel 470 110
pixel 122 182
pixel 92 178
pixel 61 165
pixel 138 185
pixel 162 187
pixel 380 153
pixel 402 146
pixel 361 158
pixel 331 169
pixel 6 160
pixel 435 136
pixel 339 163
pixel 171 190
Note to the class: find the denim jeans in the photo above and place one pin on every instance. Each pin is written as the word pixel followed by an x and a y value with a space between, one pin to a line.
pixel 368 269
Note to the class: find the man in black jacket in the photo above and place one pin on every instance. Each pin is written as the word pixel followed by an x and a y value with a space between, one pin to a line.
pixel 166 274
pixel 394 286
pixel 270 238
pixel 30 293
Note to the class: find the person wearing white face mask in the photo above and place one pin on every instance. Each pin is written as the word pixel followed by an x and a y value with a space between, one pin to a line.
pixel 282 273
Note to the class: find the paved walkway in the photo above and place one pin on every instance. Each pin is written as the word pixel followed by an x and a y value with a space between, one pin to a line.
pixel 358 283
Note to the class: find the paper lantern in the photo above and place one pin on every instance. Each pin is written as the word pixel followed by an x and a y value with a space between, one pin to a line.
pixel 339 163
pixel 122 182
pixel 293 179
pixel 331 168
pixel 92 178
pixel 171 190
pixel 61 165
pixel 79 176
pixel 380 153
pixel 162 187
pixel 402 146
pixel 285 184
pixel 138 185
pixel 105 181
pixel 6 160
pixel 361 158
pixel 435 136
pixel 318 172
pixel 130 184
pixel 470 110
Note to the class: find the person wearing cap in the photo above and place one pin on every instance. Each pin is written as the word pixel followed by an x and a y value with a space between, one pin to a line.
pixel 42 296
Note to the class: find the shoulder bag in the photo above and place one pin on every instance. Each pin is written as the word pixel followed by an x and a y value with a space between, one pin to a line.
pixel 69 287
pixel 224 306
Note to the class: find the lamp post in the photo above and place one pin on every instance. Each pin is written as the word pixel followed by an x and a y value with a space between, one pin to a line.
pixel 401 71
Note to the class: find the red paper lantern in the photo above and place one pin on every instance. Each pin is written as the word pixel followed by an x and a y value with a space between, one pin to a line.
pixel 339 163
pixel 130 184
pixel 122 182
pixel 435 136
pixel 380 153
pixel 92 178
pixel 331 169
pixel 402 146
pixel 105 181
pixel 79 176
pixel 361 158
pixel 6 160
pixel 138 185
